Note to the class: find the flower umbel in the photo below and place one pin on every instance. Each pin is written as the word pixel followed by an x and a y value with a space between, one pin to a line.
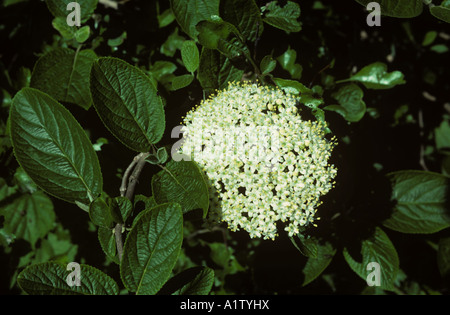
pixel 264 163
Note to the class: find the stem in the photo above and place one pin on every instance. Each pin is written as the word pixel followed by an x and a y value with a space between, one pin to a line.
pixel 127 187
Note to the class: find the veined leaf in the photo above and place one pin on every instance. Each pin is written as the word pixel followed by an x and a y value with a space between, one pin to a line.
pixel 53 149
pixel 316 265
pixel 189 13
pixel 216 70
pixel 50 278
pixel 151 249
pixel 193 281
pixel 375 76
pixel 399 9
pixel 422 202
pixel 127 103
pixel 190 55
pixel 181 182
pixel 379 249
pixel 284 18
pixel 29 217
pixel 223 36
pixel 72 70
pixel 442 11
pixel 351 105
pixel 245 15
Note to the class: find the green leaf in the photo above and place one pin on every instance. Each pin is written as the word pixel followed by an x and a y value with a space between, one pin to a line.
pixel 287 62
pixel 421 202
pixel 316 265
pixel 223 36
pixel 439 48
pixel 59 8
pixel 184 183
pixel 165 18
pixel 50 278
pixel 82 34
pixel 216 70
pixel 190 55
pixel 29 217
pixel 375 76
pixel 72 70
pixel 442 12
pixel 193 281
pixel 443 256
pixel 245 15
pixel 127 103
pixel 351 105
pixel 429 38
pixel 379 249
pixel 189 13
pixel 121 209
pixel 107 242
pixel 399 9
pixel 172 43
pixel 284 18
pixel 267 64
pixel 151 249
pixel 181 81
pixel 100 212
pixel 307 96
pixel 306 246
pixel 66 31
pixel 442 135
pixel 53 149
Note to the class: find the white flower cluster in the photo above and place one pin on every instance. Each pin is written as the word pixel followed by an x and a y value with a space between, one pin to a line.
pixel 264 163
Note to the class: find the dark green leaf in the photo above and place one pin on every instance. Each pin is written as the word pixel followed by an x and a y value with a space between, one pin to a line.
pixel 50 278
pixel 351 105
pixel 193 281
pixel 82 34
pixel 189 13
pixel 127 103
pixel 267 64
pixel 284 18
pixel 107 242
pixel 184 183
pixel 100 212
pixel 379 249
pixel 421 202
pixel 151 249
pixel 190 55
pixel 216 70
pixel 442 11
pixel 29 217
pixel 182 81
pixel 72 70
pixel 53 149
pixel 223 36
pixel 316 265
pixel 306 246
pixel 375 76
pixel 399 9
pixel 245 15
pixel 287 62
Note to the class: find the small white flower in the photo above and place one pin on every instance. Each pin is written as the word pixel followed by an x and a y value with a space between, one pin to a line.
pixel 264 163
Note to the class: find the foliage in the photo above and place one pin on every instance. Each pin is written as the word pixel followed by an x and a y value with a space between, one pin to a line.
pixel 87 114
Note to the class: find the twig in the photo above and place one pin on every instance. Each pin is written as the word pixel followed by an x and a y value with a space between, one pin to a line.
pixel 422 149
pixel 127 187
